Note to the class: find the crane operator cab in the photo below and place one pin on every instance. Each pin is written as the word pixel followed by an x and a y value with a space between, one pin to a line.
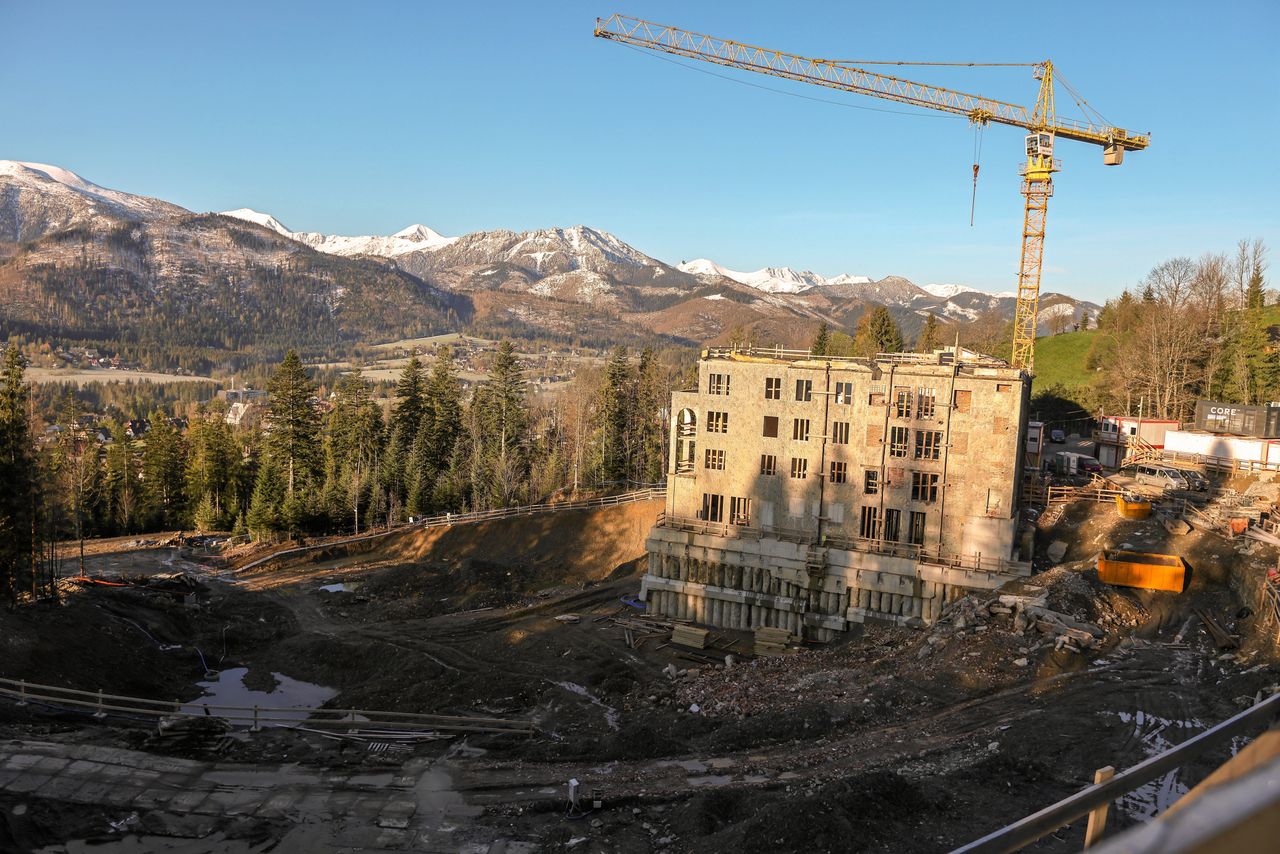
pixel 1040 144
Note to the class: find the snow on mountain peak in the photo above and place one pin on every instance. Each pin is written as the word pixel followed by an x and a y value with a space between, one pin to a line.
pixel 946 291
pixel 37 176
pixel 773 280
pixel 419 232
pixel 263 219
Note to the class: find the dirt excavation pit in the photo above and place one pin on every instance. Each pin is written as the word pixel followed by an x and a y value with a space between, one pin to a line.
pixel 892 739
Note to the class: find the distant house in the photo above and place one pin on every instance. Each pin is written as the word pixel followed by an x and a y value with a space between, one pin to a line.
pixel 137 428
pixel 1118 436
pixel 244 415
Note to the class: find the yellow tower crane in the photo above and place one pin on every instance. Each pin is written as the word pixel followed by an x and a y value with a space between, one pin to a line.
pixel 1041 122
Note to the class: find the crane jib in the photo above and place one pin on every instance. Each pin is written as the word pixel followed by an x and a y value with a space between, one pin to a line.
pixel 1042 122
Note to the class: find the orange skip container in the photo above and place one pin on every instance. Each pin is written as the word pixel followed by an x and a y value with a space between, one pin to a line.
pixel 1141 569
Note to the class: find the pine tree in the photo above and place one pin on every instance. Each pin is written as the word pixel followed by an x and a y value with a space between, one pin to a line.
pixel 441 424
pixel 293 435
pixel 499 418
pixel 266 516
pixel 353 449
pixel 821 341
pixel 614 418
pixel 163 473
pixel 122 482
pixel 19 542
pixel 928 340
pixel 213 458
pixel 651 401
pixel 877 333
pixel 207 517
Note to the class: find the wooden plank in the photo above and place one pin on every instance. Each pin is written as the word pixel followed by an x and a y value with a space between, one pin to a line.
pixel 1098 816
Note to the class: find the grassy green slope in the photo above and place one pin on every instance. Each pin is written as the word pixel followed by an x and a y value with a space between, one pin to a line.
pixel 1060 360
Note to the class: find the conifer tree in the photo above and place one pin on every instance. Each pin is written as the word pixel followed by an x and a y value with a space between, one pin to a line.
pixel 19 541
pixel 293 431
pixel 499 419
pixel 439 429
pixel 877 333
pixel 821 341
pixel 122 482
pixel 928 341
pixel 163 473
pixel 213 458
pixel 614 419
pixel 651 401
pixel 353 448
pixel 266 516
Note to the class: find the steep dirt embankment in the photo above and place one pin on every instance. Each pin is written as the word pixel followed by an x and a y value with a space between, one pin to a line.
pixel 569 545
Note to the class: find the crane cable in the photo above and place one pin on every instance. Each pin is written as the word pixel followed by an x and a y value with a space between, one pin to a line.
pixel 977 157
pixel 685 65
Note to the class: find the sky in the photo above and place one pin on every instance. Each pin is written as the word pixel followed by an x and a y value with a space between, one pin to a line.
pixel 362 118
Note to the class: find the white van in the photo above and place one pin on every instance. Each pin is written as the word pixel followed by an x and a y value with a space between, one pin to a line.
pixel 1161 476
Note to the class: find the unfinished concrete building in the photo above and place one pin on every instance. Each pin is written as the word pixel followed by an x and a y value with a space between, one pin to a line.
pixel 808 493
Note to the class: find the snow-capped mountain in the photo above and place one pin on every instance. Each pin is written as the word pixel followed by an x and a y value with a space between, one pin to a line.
pixel 949 291
pixel 36 198
pixel 773 280
pixel 415 238
pixel 197 275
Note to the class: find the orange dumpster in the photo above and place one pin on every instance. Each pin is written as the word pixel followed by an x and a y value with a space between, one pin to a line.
pixel 1141 569
pixel 1133 508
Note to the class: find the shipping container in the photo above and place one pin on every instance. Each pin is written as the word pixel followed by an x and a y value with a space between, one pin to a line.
pixel 1261 422
pixel 1141 569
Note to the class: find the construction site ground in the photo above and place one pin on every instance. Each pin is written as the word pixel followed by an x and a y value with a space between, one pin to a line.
pixel 892 739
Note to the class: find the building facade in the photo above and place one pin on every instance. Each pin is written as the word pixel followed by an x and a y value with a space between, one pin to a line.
pixel 810 492
pixel 1119 436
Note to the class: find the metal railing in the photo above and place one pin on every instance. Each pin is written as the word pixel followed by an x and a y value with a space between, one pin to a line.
pixel 102 705
pixel 447 519
pixel 1040 824
pixel 922 554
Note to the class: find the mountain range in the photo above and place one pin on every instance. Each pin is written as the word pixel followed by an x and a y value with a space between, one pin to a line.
pixel 85 262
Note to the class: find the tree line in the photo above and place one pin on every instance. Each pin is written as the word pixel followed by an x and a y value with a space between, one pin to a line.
pixel 1192 329
pixel 344 463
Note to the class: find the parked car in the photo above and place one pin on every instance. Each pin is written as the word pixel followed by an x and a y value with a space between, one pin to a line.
pixel 1161 476
pixel 1195 479
pixel 1057 436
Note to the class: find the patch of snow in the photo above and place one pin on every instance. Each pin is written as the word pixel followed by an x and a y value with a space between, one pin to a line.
pixel 415 238
pixel 771 280
pixel 946 291
pixel 250 215
pixel 38 175
pixel 714 297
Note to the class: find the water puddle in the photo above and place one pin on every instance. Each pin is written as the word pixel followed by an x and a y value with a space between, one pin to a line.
pixel 341 587
pixel 229 691
pixel 1152 733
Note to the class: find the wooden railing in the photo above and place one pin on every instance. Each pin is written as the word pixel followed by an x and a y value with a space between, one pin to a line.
pixel 923 554
pixel 446 519
pixel 102 705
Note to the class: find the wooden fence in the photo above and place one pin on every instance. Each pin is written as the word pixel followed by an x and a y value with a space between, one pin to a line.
pixel 101 705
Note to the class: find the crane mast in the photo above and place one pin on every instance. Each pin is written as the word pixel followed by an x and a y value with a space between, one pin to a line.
pixel 1041 122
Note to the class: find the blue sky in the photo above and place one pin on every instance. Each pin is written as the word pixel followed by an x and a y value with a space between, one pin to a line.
pixel 363 118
